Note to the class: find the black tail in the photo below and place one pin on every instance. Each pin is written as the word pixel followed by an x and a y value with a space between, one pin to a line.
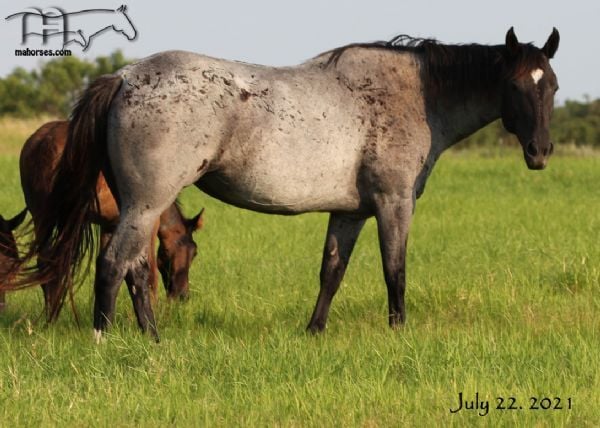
pixel 64 232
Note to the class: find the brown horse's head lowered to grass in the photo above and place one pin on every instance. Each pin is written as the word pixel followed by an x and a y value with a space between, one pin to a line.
pixel 9 253
pixel 355 132
pixel 177 249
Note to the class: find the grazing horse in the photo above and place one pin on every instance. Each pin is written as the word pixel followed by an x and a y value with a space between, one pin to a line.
pixel 355 132
pixel 8 250
pixel 40 155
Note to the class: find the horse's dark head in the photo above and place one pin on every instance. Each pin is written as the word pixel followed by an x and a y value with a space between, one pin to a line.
pixel 176 252
pixel 528 96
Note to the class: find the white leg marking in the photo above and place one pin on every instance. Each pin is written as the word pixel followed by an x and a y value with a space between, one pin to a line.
pixel 97 336
pixel 536 75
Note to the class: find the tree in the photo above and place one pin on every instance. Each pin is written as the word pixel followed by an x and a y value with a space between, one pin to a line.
pixel 54 88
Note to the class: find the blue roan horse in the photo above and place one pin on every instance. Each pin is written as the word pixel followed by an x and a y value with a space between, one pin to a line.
pixel 354 132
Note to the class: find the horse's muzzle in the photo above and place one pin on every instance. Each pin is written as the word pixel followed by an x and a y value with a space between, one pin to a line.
pixel 536 157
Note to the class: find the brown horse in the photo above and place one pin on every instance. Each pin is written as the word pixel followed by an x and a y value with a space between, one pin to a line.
pixel 8 249
pixel 39 157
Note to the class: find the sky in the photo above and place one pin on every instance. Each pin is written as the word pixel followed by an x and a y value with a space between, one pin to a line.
pixel 279 32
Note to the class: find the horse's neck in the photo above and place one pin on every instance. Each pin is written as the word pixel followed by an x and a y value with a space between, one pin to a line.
pixel 460 116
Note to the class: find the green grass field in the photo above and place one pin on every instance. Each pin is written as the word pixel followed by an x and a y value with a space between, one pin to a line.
pixel 503 300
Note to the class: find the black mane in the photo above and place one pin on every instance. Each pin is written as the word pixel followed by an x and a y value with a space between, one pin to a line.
pixel 457 66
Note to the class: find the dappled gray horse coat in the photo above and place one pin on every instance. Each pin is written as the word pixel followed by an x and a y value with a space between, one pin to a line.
pixel 354 132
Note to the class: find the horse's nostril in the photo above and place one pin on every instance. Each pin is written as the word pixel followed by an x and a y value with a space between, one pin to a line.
pixel 532 150
pixel 547 151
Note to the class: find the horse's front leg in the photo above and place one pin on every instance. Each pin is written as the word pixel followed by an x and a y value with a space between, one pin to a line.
pixel 342 233
pixel 393 220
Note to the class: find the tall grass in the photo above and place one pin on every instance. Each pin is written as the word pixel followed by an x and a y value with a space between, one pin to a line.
pixel 503 300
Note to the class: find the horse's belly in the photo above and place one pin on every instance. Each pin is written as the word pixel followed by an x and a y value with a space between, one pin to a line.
pixel 280 191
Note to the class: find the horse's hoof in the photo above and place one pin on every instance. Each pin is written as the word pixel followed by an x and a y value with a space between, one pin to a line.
pixel 315 328
pixel 396 322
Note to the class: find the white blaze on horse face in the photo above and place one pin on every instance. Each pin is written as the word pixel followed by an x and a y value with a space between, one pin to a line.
pixel 536 75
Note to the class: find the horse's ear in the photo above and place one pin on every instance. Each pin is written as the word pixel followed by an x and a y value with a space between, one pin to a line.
pixel 512 43
pixel 122 8
pixel 551 45
pixel 16 221
pixel 196 222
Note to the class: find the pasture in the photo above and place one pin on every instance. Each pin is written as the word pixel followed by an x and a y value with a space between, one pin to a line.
pixel 503 300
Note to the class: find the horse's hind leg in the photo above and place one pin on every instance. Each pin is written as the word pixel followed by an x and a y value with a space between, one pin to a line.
pixel 142 284
pixel 126 252
pixel 342 233
pixel 136 277
pixel 139 295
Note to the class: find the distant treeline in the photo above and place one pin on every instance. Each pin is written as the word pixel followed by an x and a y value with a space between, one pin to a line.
pixel 53 89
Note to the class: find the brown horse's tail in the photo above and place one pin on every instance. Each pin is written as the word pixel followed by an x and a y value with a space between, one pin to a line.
pixel 63 230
